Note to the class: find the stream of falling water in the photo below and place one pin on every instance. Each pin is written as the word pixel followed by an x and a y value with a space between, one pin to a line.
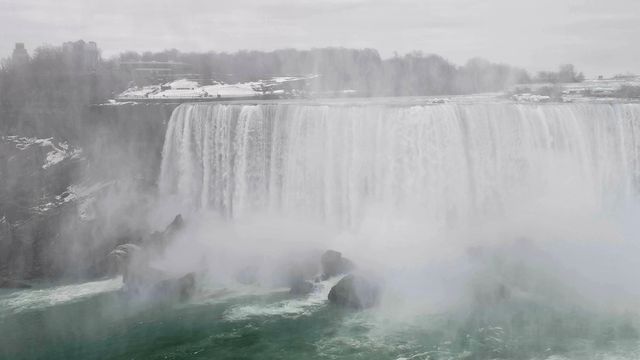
pixel 367 168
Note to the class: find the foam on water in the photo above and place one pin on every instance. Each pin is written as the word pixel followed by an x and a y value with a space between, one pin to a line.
pixel 32 299
pixel 286 308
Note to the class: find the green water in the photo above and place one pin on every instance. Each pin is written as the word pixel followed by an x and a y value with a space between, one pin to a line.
pixel 109 325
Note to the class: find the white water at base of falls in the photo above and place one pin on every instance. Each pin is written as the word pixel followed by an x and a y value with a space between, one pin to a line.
pixel 445 166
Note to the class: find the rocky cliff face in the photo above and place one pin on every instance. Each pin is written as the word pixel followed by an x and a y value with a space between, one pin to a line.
pixel 61 203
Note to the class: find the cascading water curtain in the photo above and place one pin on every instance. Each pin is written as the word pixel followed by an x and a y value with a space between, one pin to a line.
pixel 447 162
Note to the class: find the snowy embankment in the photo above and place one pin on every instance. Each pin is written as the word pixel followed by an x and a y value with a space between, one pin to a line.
pixel 49 155
pixel 188 89
pixel 225 91
pixel 57 151
pixel 83 195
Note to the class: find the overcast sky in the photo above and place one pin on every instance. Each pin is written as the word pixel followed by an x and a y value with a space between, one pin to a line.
pixel 598 36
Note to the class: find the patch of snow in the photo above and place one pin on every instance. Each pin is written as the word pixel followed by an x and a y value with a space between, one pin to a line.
pixel 58 151
pixel 290 308
pixel 283 79
pixel 53 157
pixel 185 89
pixel 84 190
pixel 526 97
pixel 121 103
pixel 231 91
pixel 178 93
pixel 140 92
pixel 84 195
pixel 183 84
pixel 438 101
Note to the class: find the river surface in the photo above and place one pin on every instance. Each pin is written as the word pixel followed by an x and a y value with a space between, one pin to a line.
pixel 96 321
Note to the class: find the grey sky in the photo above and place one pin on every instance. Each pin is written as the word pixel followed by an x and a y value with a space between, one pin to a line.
pixel 598 36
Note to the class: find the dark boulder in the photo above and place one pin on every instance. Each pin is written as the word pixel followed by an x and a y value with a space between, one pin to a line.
pixel 334 264
pixel 299 276
pixel 124 251
pixel 356 292
pixel 158 241
pixel 179 289
pixel 121 257
pixel 176 225
pixel 13 284
pixel 301 287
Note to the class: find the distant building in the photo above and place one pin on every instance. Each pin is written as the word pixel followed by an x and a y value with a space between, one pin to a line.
pixel 155 72
pixel 92 55
pixel 627 77
pixel 20 54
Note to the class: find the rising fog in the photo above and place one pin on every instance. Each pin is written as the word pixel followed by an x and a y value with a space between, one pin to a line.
pixel 404 180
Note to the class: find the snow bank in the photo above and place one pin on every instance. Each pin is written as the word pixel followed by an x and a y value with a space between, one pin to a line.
pixel 183 84
pixel 231 91
pixel 83 194
pixel 58 151
pixel 140 92
pixel 185 89
pixel 531 98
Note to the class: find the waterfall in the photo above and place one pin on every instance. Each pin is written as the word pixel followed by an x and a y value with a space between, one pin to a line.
pixel 449 163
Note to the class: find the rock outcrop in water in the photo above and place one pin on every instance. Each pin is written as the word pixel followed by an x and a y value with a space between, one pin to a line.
pixel 122 256
pixel 301 287
pixel 13 284
pixel 175 289
pixel 334 264
pixel 159 240
pixel 134 261
pixel 356 291
pixel 302 272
